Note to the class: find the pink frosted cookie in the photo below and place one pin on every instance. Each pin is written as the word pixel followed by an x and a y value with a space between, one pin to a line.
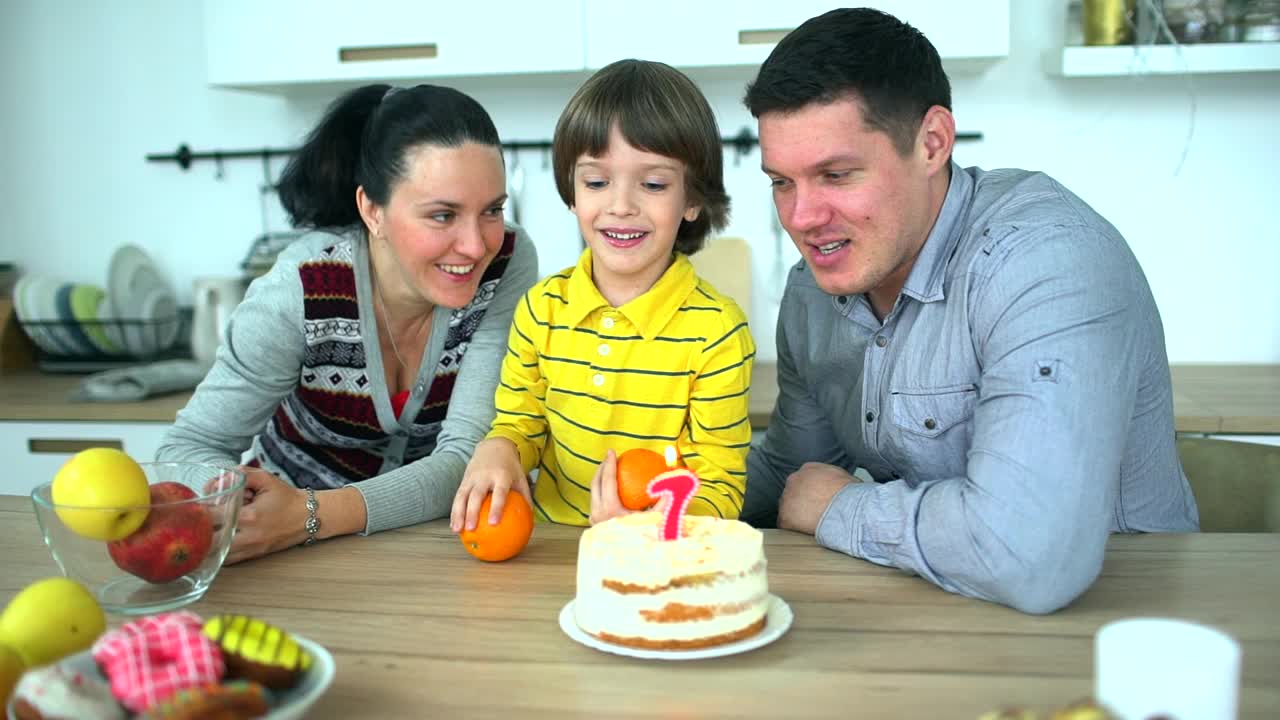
pixel 55 693
pixel 151 658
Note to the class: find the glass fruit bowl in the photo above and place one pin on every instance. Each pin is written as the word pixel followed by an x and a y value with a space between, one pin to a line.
pixel 167 553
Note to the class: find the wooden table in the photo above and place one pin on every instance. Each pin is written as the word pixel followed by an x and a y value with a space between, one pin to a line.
pixel 420 629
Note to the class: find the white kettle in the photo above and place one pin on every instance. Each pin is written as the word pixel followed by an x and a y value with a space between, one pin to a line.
pixel 214 299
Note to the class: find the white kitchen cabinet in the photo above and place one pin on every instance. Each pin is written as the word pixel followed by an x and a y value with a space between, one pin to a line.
pixel 33 451
pixel 730 32
pixel 287 42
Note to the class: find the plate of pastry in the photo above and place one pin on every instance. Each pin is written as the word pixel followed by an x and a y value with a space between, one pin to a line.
pixel 130 671
pixel 777 620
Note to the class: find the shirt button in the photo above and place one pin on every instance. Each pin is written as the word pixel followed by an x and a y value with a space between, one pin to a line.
pixel 871 417
pixel 842 299
pixel 1044 371
pixel 608 323
pixel 597 380
pixel 603 349
pixel 881 341
pixel 930 423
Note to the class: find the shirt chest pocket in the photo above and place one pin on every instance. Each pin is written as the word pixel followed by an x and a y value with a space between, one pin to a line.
pixel 932 412
pixel 931 430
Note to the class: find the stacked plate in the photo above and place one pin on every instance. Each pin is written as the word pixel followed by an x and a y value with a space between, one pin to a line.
pixel 136 314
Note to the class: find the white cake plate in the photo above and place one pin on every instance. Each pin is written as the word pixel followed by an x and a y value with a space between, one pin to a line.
pixel 777 621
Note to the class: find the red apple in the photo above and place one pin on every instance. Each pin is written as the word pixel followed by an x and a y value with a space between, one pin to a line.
pixel 172 542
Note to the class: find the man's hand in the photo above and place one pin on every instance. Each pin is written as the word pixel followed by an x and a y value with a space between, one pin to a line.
pixel 808 493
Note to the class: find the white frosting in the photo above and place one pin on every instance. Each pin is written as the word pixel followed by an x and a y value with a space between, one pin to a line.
pixel 60 693
pixel 629 551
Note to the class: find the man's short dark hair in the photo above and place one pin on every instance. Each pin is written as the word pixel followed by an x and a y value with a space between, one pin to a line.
pixel 887 66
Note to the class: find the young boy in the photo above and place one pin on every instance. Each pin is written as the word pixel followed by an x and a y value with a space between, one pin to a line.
pixel 629 348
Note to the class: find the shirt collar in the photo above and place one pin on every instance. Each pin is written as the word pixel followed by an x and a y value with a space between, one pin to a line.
pixel 650 312
pixel 925 281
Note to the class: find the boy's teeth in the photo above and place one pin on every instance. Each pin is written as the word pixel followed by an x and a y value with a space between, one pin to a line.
pixel 458 269
pixel 623 236
pixel 830 247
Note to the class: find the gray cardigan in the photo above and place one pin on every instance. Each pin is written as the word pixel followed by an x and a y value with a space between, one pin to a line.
pixel 259 363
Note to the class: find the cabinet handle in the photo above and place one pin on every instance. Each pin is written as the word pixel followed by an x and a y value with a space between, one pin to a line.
pixel 762 37
pixel 52 446
pixel 373 53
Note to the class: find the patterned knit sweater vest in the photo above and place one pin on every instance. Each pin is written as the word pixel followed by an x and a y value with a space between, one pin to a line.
pixel 326 433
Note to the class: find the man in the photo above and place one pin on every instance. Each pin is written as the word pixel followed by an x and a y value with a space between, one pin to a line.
pixel 984 344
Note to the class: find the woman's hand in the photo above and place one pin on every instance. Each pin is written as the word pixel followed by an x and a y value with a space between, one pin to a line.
pixel 272 519
pixel 605 503
pixel 494 468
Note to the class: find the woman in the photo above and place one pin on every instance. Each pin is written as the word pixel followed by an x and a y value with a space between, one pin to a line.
pixel 360 372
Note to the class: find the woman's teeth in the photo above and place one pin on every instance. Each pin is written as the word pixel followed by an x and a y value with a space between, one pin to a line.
pixel 831 247
pixel 623 236
pixel 457 269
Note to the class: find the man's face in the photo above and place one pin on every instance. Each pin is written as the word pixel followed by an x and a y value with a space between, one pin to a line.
pixel 857 210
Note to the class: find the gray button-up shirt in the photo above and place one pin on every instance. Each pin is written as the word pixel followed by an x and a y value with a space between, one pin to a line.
pixel 1014 407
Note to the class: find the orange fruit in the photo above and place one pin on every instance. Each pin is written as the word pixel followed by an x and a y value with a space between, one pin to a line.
pixel 504 539
pixel 636 467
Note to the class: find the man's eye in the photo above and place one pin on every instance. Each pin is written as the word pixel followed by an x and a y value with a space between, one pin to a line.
pixel 496 210
pixel 441 217
pixel 836 175
pixel 777 183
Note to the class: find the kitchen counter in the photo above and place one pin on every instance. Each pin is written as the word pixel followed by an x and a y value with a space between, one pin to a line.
pixel 31 395
pixel 1235 399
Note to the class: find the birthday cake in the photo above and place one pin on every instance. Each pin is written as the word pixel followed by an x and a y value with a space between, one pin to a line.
pixel 707 587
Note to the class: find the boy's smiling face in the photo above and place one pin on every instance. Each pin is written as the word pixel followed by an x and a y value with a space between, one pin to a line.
pixel 629 204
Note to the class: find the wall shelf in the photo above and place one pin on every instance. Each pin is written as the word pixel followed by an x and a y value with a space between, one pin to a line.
pixel 1164 59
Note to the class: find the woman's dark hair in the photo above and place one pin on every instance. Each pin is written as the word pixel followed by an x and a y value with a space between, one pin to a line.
pixel 890 68
pixel 363 139
pixel 659 110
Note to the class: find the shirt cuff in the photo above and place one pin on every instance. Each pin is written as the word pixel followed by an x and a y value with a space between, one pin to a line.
pixel 837 528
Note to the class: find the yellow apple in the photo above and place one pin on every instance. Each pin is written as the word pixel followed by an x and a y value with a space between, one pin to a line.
pixel 11 668
pixel 51 619
pixel 106 491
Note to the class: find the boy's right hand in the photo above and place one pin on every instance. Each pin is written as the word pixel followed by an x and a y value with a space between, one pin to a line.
pixel 494 468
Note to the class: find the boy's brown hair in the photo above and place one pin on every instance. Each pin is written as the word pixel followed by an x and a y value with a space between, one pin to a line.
pixel 659 110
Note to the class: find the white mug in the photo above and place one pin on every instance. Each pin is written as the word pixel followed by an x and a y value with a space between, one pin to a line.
pixel 1149 667
pixel 214 299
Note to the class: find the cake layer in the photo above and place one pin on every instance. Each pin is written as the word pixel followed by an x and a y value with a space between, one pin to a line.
pixel 707 588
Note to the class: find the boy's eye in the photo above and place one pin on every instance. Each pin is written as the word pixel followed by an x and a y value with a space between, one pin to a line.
pixel 593 184
pixel 655 186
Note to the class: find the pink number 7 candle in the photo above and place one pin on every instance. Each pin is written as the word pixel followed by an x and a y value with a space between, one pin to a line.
pixel 680 485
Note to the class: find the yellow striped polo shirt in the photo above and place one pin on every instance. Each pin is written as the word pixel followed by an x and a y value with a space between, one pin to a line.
pixel 671 367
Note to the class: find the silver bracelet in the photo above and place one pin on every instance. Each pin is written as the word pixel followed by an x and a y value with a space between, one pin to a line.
pixel 312 526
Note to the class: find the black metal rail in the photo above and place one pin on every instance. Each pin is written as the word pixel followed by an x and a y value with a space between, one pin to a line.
pixel 184 156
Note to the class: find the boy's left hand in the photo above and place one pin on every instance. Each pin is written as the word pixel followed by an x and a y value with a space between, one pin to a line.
pixel 605 503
